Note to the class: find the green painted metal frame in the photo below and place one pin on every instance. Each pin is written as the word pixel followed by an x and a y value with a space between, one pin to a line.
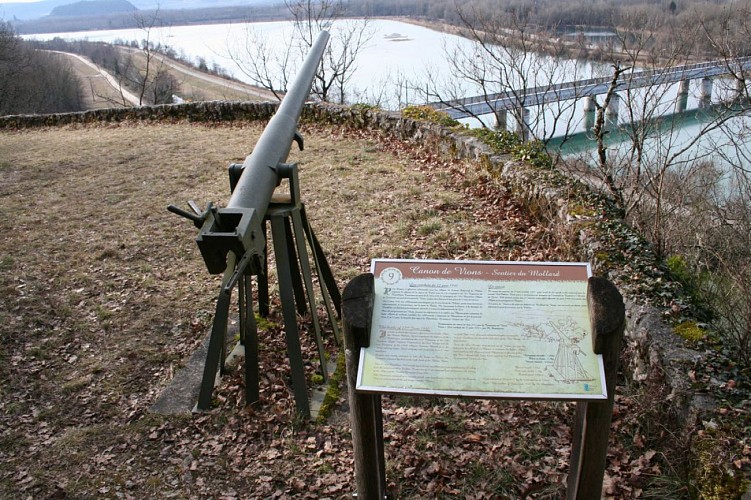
pixel 291 235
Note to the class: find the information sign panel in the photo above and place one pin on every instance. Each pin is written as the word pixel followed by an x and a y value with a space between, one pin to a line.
pixel 481 329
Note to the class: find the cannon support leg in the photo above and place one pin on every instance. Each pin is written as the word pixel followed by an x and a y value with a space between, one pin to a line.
pixel 284 275
pixel 290 231
pixel 249 339
pixel 308 279
pixel 328 285
pixel 218 340
pixel 294 267
pixel 263 278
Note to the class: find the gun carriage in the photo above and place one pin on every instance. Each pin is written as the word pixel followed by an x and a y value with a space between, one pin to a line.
pixel 232 242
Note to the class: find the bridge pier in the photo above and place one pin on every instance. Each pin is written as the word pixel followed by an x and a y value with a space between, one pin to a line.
pixel 522 123
pixel 611 114
pixel 589 120
pixel 590 106
pixel 501 116
pixel 706 92
pixel 681 101
pixel 590 103
pixel 740 88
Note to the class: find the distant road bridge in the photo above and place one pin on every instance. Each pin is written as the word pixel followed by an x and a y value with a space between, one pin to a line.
pixel 499 104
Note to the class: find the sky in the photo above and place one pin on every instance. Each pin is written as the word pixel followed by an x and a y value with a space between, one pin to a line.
pixel 17 1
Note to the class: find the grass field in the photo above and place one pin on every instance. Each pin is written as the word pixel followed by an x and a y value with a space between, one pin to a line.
pixel 105 296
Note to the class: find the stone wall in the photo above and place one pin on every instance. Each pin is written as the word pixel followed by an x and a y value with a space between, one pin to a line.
pixel 196 112
pixel 654 355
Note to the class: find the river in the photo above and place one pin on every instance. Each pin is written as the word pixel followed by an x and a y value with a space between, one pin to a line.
pixel 396 51
pixel 393 69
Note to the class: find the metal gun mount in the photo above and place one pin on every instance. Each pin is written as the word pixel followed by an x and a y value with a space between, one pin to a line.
pixel 232 240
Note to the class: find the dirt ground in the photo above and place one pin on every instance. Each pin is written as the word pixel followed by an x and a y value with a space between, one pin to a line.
pixel 105 296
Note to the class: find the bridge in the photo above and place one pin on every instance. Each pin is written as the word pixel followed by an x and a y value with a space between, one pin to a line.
pixel 499 104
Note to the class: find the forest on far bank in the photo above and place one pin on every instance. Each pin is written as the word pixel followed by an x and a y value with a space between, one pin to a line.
pixel 33 81
pixel 548 14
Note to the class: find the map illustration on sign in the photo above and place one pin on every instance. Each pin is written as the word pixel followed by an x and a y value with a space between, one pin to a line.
pixel 482 329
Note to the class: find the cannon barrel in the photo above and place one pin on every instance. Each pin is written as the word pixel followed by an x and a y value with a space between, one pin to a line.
pixel 260 178
pixel 237 227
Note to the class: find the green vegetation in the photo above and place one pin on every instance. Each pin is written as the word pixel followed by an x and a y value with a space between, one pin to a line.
pixel 690 331
pixel 363 107
pixel 430 226
pixel 716 476
pixel 6 262
pixel 428 114
pixel 505 142
pixel 264 324
pixel 333 391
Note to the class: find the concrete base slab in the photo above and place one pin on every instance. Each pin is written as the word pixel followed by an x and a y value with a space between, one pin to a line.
pixel 181 395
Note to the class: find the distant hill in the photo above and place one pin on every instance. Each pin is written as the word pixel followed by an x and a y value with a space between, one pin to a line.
pixel 161 17
pixel 24 11
pixel 93 8
pixel 28 10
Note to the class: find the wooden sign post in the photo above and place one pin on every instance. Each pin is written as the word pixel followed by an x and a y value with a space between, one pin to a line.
pixel 384 353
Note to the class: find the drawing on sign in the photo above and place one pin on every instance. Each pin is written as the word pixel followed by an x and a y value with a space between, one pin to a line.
pixel 566 367
pixel 567 363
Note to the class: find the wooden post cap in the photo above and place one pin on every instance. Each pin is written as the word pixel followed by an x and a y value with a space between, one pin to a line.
pixel 606 311
pixel 357 309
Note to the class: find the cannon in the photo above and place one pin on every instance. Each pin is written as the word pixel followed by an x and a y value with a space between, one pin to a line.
pixel 232 240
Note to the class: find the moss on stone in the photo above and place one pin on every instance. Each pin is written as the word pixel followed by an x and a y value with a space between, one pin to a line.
pixel 580 210
pixel 715 480
pixel 689 330
pixel 334 390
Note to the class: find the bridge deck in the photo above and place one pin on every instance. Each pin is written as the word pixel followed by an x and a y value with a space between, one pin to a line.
pixel 535 96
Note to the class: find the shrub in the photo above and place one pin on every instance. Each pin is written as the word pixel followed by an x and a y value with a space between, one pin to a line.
pixel 428 114
pixel 505 142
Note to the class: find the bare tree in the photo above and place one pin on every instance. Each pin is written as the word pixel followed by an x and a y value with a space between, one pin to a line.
pixel 272 69
pixel 599 130
pixel 653 167
pixel 511 57
pixel 722 247
pixel 263 64
pixel 143 68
